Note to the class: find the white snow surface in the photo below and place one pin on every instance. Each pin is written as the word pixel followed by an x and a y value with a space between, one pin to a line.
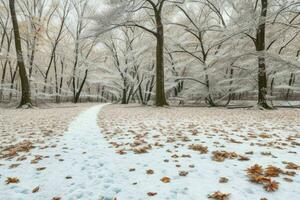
pixel 99 173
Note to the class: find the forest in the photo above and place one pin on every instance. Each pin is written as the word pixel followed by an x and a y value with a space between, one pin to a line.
pixel 149 99
pixel 195 52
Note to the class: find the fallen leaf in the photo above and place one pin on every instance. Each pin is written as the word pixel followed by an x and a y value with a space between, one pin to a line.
pixel 223 180
pixel 219 195
pixel 271 186
pixel 11 180
pixel 36 189
pixel 150 171
pixel 151 194
pixel 165 179
pixel 183 173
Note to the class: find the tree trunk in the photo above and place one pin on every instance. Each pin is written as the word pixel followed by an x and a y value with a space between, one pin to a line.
pixel 26 97
pixel 81 86
pixel 160 99
pixel 260 48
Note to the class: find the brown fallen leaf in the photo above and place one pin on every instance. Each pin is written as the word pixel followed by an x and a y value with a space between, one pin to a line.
pixel 291 165
pixel 40 168
pixel 271 186
pixel 219 195
pixel 56 198
pixel 121 152
pixel 183 173
pixel 151 194
pixel 272 171
pixel 255 169
pixel 259 179
pixel 223 180
pixel 150 171
pixel 11 180
pixel 243 158
pixel 165 179
pixel 12 166
pixel 198 147
pixel 36 189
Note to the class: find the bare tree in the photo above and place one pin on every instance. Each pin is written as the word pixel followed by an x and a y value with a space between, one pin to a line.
pixel 26 97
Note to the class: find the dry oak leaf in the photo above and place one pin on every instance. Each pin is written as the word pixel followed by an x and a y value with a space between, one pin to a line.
pixel 291 165
pixel 220 156
pixel 243 158
pixel 183 173
pixel 264 135
pixel 121 152
pixel 40 168
pixel 198 147
pixel 165 180
pixel 56 198
pixel 150 171
pixel 255 170
pixel 289 173
pixel 219 195
pixel 11 180
pixel 271 186
pixel 223 180
pixel 36 189
pixel 151 194
pixel 140 150
pixel 272 171
pixel 13 166
pixel 259 179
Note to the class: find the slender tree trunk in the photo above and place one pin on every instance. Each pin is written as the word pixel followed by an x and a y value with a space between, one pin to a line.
pixel 160 99
pixel 260 47
pixel 26 97
pixel 81 86
pixel 290 84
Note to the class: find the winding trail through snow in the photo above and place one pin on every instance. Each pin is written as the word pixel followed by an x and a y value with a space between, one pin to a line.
pixel 85 155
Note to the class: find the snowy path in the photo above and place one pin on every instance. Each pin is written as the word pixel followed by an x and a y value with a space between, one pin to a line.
pixel 84 156
pixel 95 172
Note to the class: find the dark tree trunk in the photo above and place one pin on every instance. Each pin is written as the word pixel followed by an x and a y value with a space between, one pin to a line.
pixel 124 96
pixel 81 87
pixel 260 48
pixel 292 78
pixel 26 97
pixel 160 99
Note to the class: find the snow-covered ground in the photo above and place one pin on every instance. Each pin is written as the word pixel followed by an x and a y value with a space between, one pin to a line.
pixel 172 142
pixel 161 153
pixel 18 126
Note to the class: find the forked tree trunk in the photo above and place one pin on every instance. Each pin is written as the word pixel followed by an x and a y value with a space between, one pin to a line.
pixel 26 98
pixel 260 48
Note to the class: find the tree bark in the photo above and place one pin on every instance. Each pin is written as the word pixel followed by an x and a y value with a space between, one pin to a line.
pixel 81 86
pixel 260 48
pixel 160 99
pixel 26 96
